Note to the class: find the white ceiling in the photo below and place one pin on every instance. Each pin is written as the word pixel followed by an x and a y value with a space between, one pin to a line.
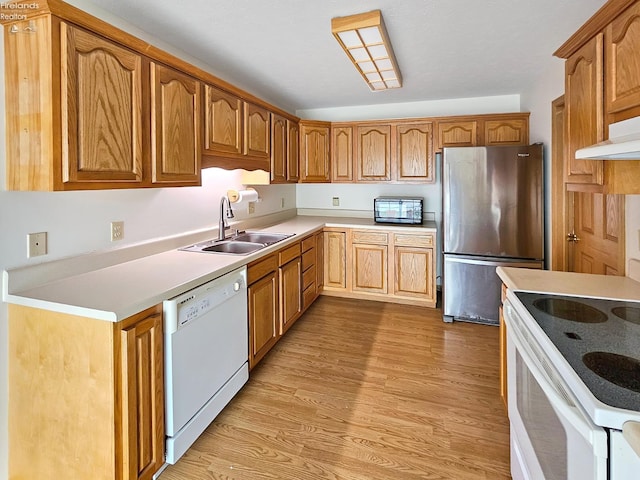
pixel 283 50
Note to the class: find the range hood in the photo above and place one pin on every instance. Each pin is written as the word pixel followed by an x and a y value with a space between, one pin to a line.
pixel 623 143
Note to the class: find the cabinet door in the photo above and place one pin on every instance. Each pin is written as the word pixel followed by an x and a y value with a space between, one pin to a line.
pixel 583 103
pixel 314 153
pixel 257 131
pixel 278 149
pixel 102 116
pixel 457 134
pixel 264 319
pixel 335 259
pixel 293 152
pixel 373 153
pixel 142 393
pixel 369 273
pixel 290 293
pixel 175 127
pixel 506 132
pixel 223 122
pixel 342 154
pixel 319 261
pixel 414 273
pixel 622 40
pixel 414 153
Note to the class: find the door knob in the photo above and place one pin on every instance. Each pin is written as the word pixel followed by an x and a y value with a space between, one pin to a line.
pixel 572 237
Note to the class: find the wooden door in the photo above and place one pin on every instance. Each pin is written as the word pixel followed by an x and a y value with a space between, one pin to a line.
pixel 506 132
pixel 314 152
pixel 342 154
pixel 141 439
pixel 257 131
pixel 102 110
pixel 373 153
pixel 264 319
pixel 583 104
pixel 369 272
pixel 293 152
pixel 335 259
pixel 290 293
pixel 223 122
pixel 599 226
pixel 175 127
pixel 278 149
pixel 457 134
pixel 414 269
pixel 622 43
pixel 414 153
pixel 560 198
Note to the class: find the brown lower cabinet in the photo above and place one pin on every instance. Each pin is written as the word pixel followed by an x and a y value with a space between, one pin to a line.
pixel 386 265
pixel 99 408
pixel 282 286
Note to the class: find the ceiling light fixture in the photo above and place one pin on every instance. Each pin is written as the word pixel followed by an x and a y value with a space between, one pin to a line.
pixel 365 40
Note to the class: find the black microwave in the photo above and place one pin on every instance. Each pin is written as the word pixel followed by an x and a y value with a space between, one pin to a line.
pixel 398 210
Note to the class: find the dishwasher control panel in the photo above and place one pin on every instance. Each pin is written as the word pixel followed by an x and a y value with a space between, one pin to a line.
pixel 192 305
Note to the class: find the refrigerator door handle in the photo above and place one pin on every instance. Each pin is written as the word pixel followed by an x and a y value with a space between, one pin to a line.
pixel 494 263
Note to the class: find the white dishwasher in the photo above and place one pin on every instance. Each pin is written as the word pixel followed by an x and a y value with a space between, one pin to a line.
pixel 206 356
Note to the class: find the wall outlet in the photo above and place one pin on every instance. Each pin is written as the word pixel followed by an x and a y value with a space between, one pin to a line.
pixel 117 231
pixel 36 244
pixel 252 208
pixel 336 201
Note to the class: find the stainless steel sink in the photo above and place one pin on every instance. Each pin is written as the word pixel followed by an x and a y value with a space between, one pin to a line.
pixel 259 237
pixel 239 244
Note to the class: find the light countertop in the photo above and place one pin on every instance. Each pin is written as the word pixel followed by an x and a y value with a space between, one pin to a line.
pixel 568 283
pixel 115 292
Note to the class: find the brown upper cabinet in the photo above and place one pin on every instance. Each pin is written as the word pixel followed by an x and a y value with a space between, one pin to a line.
pixel 176 100
pixel 94 113
pixel 457 133
pixel 257 132
pixel 373 153
pixel 414 153
pixel 471 131
pixel 237 134
pixel 602 86
pixel 284 150
pixel 314 151
pixel 341 153
pixel 223 122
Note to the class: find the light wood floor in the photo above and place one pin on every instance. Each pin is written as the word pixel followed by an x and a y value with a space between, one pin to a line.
pixel 363 390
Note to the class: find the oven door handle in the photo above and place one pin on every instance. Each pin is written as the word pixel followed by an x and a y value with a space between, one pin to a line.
pixel 571 413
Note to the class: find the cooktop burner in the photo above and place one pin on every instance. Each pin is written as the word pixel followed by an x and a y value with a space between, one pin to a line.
pixel 570 310
pixel 583 330
pixel 619 369
pixel 630 314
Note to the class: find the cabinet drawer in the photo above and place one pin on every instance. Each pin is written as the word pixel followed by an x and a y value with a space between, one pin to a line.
pixel 308 277
pixel 413 240
pixel 308 296
pixel 375 238
pixel 262 267
pixel 289 253
pixel 308 259
pixel 308 243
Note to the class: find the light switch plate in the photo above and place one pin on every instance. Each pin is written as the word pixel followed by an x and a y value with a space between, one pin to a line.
pixel 336 201
pixel 36 244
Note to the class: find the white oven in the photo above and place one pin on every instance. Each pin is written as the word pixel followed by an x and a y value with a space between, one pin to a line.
pixel 551 437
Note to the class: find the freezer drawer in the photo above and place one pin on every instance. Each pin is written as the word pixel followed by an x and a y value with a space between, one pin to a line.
pixel 471 287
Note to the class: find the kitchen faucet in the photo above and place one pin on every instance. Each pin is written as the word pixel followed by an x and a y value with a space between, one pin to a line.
pixel 221 224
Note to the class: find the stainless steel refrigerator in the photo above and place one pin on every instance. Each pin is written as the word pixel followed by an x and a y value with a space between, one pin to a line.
pixel 493 215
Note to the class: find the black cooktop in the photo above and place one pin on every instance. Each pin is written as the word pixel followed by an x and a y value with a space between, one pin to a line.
pixel 599 338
